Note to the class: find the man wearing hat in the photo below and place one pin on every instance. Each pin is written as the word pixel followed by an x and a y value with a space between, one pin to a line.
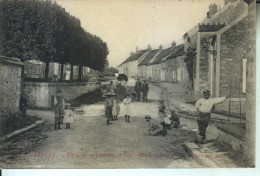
pixel 108 107
pixel 138 89
pixel 155 127
pixel 204 107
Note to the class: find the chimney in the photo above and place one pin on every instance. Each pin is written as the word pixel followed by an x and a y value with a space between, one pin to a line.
pixel 149 47
pixel 213 8
pixel 136 49
pixel 160 47
pixel 173 44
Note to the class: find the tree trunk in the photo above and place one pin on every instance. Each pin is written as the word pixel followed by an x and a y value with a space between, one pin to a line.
pixel 71 72
pixel 61 72
pixel 46 74
pixel 80 72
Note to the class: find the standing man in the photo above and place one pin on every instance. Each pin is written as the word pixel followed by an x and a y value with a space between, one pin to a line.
pixel 204 107
pixel 108 107
pixel 23 105
pixel 138 88
pixel 145 91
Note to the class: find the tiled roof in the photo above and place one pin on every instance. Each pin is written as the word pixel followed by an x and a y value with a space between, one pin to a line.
pixel 159 58
pixel 134 57
pixel 178 51
pixel 229 13
pixel 148 57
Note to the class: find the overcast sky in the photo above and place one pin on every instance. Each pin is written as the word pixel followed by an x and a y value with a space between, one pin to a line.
pixel 125 24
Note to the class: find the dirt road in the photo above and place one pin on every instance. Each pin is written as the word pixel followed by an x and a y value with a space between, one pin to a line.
pixel 91 144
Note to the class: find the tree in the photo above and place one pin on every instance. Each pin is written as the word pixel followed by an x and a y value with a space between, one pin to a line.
pixel 33 29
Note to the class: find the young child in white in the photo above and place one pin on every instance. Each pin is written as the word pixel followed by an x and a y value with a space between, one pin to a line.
pixel 68 118
pixel 127 102
pixel 116 109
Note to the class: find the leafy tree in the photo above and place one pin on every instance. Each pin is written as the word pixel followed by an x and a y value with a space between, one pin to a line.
pixel 33 29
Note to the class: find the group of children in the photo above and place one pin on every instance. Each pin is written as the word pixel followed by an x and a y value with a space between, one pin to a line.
pixel 166 121
pixel 112 108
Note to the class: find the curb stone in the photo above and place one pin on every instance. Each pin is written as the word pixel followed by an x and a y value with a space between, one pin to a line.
pixel 194 151
pixel 22 130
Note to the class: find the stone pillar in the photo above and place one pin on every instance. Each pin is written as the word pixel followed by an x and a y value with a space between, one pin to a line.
pixel 251 86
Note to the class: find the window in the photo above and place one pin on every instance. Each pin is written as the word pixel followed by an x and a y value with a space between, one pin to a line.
pixel 180 75
pixel 244 76
pixel 173 74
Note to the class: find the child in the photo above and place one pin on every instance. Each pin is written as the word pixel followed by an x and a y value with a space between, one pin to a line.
pixel 161 116
pixel 175 119
pixel 59 109
pixel 68 117
pixel 127 102
pixel 204 107
pixel 154 127
pixel 108 107
pixel 167 122
pixel 116 109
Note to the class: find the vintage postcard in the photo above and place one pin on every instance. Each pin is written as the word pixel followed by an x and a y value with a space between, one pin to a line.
pixel 109 84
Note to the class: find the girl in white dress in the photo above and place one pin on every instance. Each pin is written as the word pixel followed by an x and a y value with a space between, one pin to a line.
pixel 127 102
pixel 68 118
pixel 116 109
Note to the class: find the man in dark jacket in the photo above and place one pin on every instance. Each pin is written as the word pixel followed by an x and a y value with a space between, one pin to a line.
pixel 145 91
pixel 138 88
pixel 23 105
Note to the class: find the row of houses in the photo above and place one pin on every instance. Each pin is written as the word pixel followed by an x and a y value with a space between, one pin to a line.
pixel 213 56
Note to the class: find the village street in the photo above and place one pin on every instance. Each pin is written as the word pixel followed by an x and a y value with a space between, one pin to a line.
pixel 91 144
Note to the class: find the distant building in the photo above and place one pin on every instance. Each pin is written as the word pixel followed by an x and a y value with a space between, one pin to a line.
pixel 157 66
pixel 130 66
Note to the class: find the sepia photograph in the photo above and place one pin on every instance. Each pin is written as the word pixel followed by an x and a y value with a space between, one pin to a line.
pixel 127 84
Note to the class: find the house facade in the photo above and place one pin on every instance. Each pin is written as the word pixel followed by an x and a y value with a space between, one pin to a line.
pixel 143 65
pixel 157 66
pixel 130 66
pixel 220 63
pixel 176 69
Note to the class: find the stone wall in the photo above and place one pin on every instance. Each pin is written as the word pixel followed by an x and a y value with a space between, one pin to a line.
pixel 233 48
pixel 251 84
pixel 40 95
pixel 204 61
pixel 10 86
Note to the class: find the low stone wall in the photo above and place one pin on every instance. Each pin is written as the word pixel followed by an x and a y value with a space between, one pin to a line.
pixel 41 95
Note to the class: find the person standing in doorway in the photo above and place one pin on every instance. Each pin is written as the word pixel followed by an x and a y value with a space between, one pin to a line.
pixel 204 107
pixel 138 88
pixel 145 89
